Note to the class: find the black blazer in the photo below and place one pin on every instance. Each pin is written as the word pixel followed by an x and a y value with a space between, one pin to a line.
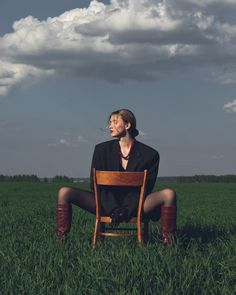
pixel 106 157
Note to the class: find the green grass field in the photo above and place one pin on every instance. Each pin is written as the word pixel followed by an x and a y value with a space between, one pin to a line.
pixel 32 261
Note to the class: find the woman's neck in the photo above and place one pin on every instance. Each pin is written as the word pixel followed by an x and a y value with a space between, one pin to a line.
pixel 126 144
pixel 126 141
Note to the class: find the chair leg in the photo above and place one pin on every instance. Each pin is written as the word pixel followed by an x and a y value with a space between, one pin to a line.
pixel 96 232
pixel 140 238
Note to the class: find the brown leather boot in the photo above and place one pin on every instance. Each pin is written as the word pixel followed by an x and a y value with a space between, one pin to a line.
pixel 168 224
pixel 63 220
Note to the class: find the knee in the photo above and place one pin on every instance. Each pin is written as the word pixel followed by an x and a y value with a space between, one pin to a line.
pixel 169 196
pixel 63 195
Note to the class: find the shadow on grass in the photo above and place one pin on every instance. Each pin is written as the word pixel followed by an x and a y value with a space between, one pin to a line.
pixel 204 233
pixel 197 233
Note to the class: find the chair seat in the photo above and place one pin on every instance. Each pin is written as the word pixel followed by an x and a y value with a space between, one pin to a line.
pixel 109 220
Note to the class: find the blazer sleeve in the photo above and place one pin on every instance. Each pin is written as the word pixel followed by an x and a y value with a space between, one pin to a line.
pixel 152 173
pixel 96 163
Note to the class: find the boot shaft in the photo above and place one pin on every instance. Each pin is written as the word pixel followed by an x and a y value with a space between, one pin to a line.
pixel 63 220
pixel 168 223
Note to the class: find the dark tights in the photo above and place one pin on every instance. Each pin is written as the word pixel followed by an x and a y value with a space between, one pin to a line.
pixel 86 200
pixel 82 198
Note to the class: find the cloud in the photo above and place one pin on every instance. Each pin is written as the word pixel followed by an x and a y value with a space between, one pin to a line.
pixel 70 141
pixel 226 76
pixel 64 141
pixel 122 40
pixel 15 74
pixel 81 139
pixel 216 156
pixel 230 107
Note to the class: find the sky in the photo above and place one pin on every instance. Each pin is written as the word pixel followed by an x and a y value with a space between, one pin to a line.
pixel 66 65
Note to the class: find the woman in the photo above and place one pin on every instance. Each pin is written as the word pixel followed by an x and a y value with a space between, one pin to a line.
pixel 122 154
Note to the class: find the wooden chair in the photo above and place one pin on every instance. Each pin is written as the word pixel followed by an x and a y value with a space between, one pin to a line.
pixel 117 178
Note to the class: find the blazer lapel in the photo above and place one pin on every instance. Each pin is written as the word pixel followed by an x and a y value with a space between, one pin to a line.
pixel 114 164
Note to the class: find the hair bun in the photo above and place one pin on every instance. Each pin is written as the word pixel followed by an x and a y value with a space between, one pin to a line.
pixel 135 132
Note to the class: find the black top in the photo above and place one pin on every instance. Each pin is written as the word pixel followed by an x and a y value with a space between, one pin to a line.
pixel 107 157
pixel 121 168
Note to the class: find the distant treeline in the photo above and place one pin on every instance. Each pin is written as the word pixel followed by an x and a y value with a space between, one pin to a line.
pixel 207 178
pixel 35 178
pixel 58 178
pixel 31 178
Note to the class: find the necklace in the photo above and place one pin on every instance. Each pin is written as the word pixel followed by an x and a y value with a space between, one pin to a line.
pixel 128 155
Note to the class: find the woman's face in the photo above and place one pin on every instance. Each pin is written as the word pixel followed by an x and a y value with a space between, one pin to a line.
pixel 117 126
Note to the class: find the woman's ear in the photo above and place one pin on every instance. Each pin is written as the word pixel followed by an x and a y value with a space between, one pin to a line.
pixel 127 126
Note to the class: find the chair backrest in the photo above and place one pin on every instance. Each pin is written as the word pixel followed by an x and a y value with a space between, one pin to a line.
pixel 118 178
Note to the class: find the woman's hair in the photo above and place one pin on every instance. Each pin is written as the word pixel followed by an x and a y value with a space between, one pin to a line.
pixel 128 117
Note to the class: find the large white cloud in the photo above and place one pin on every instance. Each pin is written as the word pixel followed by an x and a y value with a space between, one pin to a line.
pixel 126 39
